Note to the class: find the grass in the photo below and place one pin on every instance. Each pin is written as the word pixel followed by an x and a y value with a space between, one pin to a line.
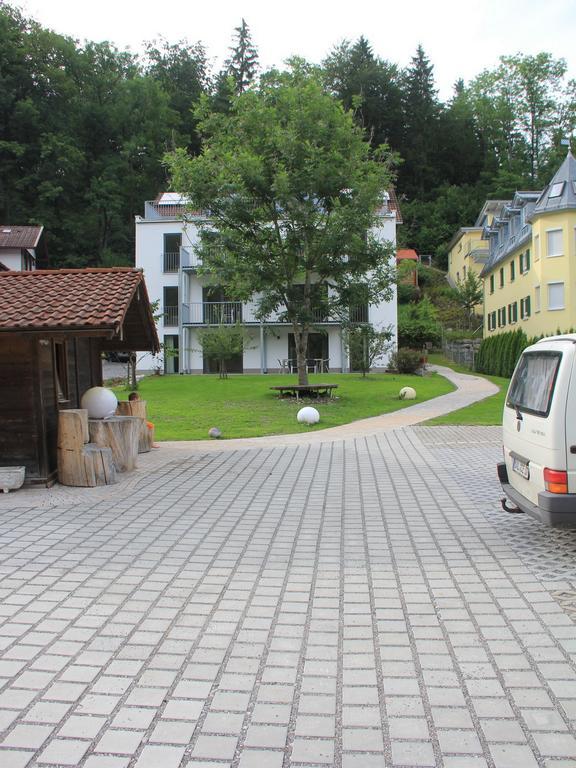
pixel 487 412
pixel 185 407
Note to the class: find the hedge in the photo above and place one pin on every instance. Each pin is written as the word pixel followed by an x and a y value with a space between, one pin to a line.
pixel 498 355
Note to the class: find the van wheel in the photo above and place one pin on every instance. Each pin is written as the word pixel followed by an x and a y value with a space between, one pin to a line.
pixel 511 510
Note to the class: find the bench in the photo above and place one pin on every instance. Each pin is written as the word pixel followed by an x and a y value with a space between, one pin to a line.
pixel 305 390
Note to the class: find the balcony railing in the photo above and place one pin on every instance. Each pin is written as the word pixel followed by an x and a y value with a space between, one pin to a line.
pixel 171 261
pixel 189 259
pixel 212 313
pixel 171 316
pixel 359 314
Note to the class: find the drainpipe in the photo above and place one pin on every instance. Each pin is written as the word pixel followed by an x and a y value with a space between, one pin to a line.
pixel 263 366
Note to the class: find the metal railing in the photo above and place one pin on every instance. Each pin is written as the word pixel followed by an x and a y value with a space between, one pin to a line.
pixel 359 314
pixel 212 313
pixel 189 259
pixel 171 316
pixel 171 261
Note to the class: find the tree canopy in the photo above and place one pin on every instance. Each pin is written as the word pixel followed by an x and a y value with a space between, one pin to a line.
pixel 293 192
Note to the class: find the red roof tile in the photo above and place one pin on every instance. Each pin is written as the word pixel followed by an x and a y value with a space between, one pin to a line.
pixel 68 299
pixel 19 237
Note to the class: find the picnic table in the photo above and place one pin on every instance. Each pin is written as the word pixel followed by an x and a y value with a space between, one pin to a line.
pixel 305 390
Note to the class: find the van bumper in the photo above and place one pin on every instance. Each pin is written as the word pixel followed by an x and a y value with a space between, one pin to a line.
pixel 557 509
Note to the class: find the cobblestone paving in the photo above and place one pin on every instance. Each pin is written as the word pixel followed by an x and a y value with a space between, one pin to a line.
pixel 357 604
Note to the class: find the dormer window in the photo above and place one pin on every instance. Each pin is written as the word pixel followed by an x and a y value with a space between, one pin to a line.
pixel 556 189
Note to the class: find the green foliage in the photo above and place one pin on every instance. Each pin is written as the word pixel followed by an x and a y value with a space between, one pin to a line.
pixel 499 354
pixel 223 343
pixel 243 63
pixel 365 344
pixel 469 293
pixel 293 189
pixel 406 360
pixel 418 325
pixel 407 293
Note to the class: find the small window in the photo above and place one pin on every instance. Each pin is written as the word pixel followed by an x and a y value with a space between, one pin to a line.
pixel 525 262
pixel 532 387
pixel 537 248
pixel 556 189
pixel 555 296
pixel 555 242
pixel 502 277
pixel 537 299
pixel 512 270
pixel 491 283
pixel 525 309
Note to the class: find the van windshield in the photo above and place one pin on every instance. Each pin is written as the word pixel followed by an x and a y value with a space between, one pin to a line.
pixel 532 387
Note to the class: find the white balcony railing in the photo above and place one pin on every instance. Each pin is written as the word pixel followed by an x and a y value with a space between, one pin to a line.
pixel 171 261
pixel 230 312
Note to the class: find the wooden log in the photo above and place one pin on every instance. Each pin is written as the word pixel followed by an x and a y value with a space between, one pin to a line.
pixel 86 467
pixel 72 428
pixel 121 434
pixel 138 408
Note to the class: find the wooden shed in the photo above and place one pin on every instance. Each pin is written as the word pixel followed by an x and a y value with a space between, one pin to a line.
pixel 54 325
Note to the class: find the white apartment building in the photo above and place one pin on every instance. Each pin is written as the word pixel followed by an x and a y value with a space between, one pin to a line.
pixel 166 237
pixel 21 246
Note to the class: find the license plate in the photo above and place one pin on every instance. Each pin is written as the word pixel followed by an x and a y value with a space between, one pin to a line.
pixel 521 467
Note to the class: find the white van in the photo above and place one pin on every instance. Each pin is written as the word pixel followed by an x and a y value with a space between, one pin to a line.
pixel 538 474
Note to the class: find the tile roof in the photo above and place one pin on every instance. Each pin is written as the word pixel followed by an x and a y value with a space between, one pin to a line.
pixel 19 237
pixel 395 205
pixel 95 300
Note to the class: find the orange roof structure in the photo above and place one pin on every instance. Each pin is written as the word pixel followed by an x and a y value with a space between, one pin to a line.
pixel 110 302
pixel 406 253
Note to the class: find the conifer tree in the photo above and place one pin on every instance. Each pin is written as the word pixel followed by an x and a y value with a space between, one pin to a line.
pixel 243 63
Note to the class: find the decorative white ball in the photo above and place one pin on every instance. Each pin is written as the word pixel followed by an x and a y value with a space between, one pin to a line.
pixel 99 402
pixel 308 415
pixel 407 393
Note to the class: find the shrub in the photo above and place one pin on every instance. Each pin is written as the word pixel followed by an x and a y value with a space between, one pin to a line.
pixel 406 360
pixel 418 325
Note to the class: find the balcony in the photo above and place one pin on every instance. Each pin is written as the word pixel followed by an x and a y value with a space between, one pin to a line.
pixel 189 259
pixel 171 262
pixel 171 316
pixel 212 313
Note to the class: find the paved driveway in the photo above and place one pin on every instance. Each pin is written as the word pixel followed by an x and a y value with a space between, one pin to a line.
pixel 354 603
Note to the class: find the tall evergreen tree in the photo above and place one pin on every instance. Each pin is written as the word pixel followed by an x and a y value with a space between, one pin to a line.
pixel 421 128
pixel 243 63
pixel 368 85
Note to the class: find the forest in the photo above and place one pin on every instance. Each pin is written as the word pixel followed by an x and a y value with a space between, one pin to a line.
pixel 84 128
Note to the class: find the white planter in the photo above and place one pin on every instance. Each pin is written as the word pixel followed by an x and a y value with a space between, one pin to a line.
pixel 11 478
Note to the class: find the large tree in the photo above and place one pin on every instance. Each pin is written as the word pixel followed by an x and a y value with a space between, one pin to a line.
pixel 243 62
pixel 293 191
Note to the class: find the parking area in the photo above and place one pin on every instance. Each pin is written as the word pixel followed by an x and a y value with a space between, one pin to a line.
pixel 357 603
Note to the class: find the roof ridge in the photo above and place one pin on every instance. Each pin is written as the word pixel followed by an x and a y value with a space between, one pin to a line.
pixel 81 270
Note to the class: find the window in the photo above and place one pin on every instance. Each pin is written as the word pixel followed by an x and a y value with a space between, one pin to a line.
pixel 525 310
pixel 512 270
pixel 513 313
pixel 502 277
pixel 554 241
pixel 537 248
pixel 493 315
pixel 170 306
pixel 172 243
pixel 532 387
pixel 537 299
pixel 61 370
pixel 501 317
pixel 525 262
pixel 491 283
pixel 489 320
pixel 556 189
pixel 555 296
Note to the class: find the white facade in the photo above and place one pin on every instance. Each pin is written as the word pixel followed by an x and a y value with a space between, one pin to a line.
pixel 165 250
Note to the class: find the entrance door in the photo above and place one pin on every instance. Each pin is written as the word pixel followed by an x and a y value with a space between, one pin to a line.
pixel 171 361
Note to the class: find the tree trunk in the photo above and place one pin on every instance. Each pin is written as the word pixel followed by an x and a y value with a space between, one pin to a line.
pixel 301 344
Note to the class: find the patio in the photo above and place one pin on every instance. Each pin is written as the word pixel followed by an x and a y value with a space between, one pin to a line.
pixel 360 602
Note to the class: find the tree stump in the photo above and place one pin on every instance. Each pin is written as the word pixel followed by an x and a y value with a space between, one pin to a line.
pixel 119 433
pixel 81 464
pixel 138 408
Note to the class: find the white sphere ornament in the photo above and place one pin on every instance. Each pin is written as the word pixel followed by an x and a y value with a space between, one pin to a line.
pixel 407 393
pixel 99 402
pixel 308 415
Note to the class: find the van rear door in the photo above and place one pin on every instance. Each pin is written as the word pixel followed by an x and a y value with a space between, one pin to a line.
pixel 571 424
pixel 534 422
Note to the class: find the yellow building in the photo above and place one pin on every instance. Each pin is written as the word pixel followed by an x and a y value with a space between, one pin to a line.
pixel 530 276
pixel 468 249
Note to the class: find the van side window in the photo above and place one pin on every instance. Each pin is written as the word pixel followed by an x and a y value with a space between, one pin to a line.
pixel 532 387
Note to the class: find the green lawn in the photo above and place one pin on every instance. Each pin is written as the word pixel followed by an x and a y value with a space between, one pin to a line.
pixel 185 407
pixel 487 412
